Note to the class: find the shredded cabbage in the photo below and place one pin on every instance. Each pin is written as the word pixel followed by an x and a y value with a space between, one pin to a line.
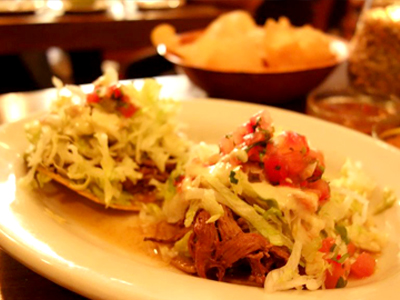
pixel 98 148
pixel 182 246
pixel 288 276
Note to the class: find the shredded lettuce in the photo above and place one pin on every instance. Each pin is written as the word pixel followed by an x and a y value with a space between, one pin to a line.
pixel 288 276
pixel 240 207
pixel 98 149
pixel 202 198
pixel 354 178
pixel 369 239
pixel 151 213
pixel 182 246
pixel 388 200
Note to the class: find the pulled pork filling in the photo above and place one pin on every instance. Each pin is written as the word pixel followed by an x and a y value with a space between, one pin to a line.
pixel 225 250
pixel 142 189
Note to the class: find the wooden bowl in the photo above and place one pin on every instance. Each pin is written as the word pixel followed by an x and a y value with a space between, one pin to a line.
pixel 270 87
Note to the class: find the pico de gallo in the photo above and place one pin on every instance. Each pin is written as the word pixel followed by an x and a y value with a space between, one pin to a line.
pixel 113 99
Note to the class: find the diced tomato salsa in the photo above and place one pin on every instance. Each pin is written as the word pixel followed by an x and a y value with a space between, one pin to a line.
pixel 342 267
pixel 286 159
pixel 121 102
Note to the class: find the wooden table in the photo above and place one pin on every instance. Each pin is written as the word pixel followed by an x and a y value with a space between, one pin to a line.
pixel 19 283
pixel 114 29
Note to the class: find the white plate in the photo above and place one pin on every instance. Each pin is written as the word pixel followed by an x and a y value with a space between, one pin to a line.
pixel 94 252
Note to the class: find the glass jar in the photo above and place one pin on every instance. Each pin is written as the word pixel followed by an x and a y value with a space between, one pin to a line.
pixel 349 108
pixel 374 60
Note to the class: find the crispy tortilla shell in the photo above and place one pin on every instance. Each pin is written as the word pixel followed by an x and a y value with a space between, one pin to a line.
pixel 85 193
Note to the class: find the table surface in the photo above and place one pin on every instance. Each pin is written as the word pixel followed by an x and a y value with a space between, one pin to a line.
pixel 119 27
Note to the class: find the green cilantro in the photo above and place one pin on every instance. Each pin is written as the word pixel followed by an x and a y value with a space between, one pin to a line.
pixel 341 259
pixel 272 203
pixel 343 233
pixel 341 283
pixel 232 177
pixel 260 143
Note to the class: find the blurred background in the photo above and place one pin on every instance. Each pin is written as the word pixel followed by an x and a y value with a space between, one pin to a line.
pixel 72 39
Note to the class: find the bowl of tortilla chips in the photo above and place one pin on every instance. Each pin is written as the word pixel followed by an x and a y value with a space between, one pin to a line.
pixel 234 58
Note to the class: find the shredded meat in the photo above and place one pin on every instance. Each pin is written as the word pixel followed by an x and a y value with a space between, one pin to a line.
pixel 202 246
pixel 169 166
pixel 141 187
pixel 218 249
pixel 224 250
pixel 153 172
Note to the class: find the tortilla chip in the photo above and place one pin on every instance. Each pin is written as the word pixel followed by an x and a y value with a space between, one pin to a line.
pixel 85 193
